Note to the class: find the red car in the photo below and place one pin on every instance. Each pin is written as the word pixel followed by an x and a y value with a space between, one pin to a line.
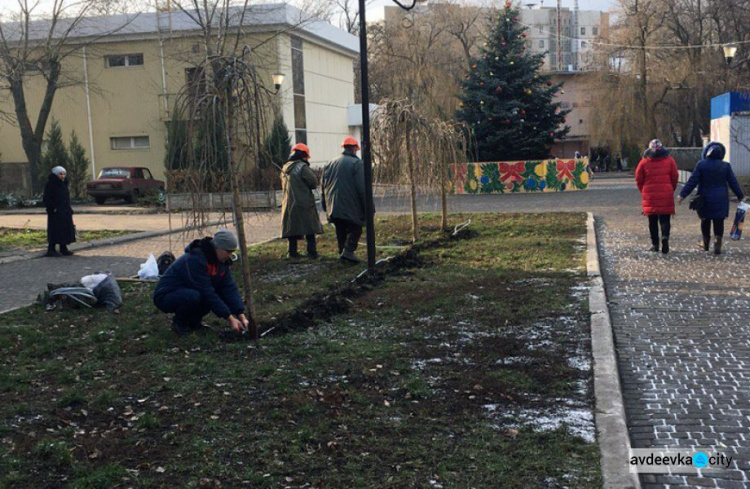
pixel 124 182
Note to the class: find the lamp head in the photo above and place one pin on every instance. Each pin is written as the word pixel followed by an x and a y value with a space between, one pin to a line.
pixel 278 79
pixel 729 52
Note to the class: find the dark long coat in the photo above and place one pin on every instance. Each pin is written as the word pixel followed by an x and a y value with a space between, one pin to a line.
pixel 712 176
pixel 60 229
pixel 343 188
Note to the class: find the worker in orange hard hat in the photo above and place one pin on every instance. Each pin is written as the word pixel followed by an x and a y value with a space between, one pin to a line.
pixel 299 214
pixel 303 148
pixel 350 141
pixel 343 198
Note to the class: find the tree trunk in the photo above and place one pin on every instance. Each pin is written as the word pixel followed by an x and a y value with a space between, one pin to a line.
pixel 413 187
pixel 443 197
pixel 239 222
pixel 32 139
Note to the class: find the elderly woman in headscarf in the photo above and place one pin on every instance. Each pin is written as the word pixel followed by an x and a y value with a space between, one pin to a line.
pixel 60 229
pixel 299 214
pixel 656 177
pixel 712 175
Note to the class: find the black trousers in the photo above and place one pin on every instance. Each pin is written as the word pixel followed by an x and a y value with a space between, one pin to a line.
pixel 654 222
pixel 347 234
pixel 311 243
pixel 186 304
pixel 706 228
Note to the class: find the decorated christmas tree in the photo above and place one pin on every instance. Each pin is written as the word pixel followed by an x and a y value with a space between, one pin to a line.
pixel 506 100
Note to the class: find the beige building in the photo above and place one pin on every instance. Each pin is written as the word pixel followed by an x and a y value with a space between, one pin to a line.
pixel 123 85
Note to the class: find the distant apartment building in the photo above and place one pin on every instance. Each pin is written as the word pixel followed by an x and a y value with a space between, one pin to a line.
pixel 121 106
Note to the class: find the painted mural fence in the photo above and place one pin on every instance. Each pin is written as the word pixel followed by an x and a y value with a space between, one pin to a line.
pixel 518 176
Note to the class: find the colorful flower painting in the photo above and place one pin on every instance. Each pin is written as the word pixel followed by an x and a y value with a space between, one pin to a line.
pixel 519 176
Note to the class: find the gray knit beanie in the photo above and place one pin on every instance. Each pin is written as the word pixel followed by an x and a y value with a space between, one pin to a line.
pixel 225 239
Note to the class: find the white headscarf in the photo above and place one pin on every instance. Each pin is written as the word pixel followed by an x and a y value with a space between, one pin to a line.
pixel 58 170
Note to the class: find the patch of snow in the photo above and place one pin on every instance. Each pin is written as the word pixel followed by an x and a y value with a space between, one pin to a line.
pixel 577 420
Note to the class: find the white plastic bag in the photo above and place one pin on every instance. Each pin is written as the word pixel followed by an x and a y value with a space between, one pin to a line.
pixel 149 269
pixel 91 281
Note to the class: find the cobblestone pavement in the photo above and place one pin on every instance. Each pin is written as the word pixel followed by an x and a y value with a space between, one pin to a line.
pixel 681 321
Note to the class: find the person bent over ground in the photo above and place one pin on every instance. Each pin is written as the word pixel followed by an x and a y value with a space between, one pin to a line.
pixel 343 198
pixel 199 282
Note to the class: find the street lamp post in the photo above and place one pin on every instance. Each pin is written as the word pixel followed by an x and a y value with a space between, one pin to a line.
pixel 366 153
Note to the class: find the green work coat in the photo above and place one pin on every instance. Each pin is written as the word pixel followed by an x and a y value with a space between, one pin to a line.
pixel 299 215
pixel 343 189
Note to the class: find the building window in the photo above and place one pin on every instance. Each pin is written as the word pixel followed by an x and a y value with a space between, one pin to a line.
pixel 583 31
pixel 541 43
pixel 595 31
pixel 124 60
pixel 130 142
pixel 298 88
pixel 584 44
pixel 540 28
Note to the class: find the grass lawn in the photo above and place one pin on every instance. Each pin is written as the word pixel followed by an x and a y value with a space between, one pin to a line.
pixel 468 365
pixel 30 239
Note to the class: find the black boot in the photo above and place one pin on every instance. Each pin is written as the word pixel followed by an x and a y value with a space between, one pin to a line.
pixel 312 247
pixel 292 253
pixel 706 242
pixel 51 251
pixel 665 245
pixel 654 245
pixel 717 245
pixel 65 251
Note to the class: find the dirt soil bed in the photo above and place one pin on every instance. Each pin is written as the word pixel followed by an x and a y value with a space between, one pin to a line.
pixel 462 363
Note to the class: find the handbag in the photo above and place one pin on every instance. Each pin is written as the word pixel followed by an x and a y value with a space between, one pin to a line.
pixel 697 204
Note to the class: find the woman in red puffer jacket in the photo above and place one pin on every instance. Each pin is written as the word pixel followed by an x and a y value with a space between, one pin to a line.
pixel 656 177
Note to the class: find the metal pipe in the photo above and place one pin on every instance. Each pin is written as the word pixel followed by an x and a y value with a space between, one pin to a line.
pixel 88 113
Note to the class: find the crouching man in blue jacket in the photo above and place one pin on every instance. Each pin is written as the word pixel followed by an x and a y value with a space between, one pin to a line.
pixel 199 282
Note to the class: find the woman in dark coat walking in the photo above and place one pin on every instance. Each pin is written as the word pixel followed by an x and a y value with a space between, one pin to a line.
pixel 711 175
pixel 60 229
pixel 656 177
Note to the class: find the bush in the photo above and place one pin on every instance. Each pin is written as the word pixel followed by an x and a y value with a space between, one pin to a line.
pixel 79 165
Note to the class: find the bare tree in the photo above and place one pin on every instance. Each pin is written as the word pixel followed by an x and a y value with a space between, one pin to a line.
pixel 413 150
pixel 35 44
pixel 672 67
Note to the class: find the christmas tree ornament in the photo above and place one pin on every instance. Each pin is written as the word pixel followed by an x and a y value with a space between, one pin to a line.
pixel 496 58
pixel 499 89
pixel 563 120
pixel 461 105
pixel 512 62
pixel 535 128
pixel 562 92
pixel 515 18
pixel 481 102
pixel 523 34
pixel 552 134
pixel 549 83
pixel 474 66
pixel 523 112
pixel 523 120
pixel 481 84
